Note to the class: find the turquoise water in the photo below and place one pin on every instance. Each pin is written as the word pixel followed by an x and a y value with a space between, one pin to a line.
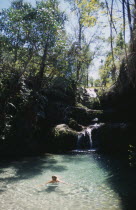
pixel 94 182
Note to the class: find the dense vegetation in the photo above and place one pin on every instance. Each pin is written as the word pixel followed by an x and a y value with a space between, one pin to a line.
pixel 35 51
pixel 42 70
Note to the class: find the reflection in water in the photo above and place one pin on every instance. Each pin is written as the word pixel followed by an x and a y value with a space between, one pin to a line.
pixel 95 182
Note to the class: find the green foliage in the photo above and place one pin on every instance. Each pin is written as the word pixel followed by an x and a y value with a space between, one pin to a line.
pixel 97 83
pixel 110 67
pixel 88 9
pixel 26 32
pixel 91 81
pixel 35 43
pixel 81 56
pixel 32 41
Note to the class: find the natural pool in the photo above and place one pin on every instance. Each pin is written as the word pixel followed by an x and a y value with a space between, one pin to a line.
pixel 96 182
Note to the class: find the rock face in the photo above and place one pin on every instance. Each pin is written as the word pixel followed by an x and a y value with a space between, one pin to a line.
pixel 83 115
pixel 64 138
pixel 114 137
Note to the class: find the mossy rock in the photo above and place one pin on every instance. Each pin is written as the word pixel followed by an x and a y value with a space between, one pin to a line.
pixel 64 138
pixel 74 125
pixel 84 116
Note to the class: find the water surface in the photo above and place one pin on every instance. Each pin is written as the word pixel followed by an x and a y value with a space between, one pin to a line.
pixel 94 182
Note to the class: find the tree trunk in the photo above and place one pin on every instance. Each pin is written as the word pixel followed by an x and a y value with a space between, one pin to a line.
pixel 79 45
pixel 87 78
pixel 42 66
pixel 129 20
pixel 16 47
pixel 16 53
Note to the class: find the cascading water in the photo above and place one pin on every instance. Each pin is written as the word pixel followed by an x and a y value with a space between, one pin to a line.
pixel 89 133
pixel 80 140
pixel 85 139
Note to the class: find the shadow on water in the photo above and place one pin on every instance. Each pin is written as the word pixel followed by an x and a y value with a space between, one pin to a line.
pixel 27 168
pixel 122 179
pixel 50 189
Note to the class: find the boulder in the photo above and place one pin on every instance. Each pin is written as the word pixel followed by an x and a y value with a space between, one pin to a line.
pixel 74 125
pixel 64 138
pixel 83 115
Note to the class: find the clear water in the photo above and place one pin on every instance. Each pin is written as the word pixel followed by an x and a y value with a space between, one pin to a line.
pixel 92 183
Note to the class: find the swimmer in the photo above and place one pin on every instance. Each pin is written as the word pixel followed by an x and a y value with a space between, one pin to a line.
pixel 55 179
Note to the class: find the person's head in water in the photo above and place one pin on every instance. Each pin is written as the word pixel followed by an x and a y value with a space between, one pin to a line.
pixel 54 178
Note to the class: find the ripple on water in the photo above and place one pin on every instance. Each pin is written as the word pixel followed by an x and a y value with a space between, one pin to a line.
pixel 88 188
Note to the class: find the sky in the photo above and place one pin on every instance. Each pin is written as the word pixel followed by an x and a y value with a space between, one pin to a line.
pixel 6 3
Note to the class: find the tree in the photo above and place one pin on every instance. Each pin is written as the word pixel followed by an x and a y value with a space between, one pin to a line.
pixel 49 23
pixel 84 13
pixel 33 52
pixel 33 36
pixel 97 83
pixel 91 81
pixel 106 70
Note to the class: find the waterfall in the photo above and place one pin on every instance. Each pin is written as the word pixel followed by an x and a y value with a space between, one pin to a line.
pixel 81 136
pixel 89 132
pixel 85 139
